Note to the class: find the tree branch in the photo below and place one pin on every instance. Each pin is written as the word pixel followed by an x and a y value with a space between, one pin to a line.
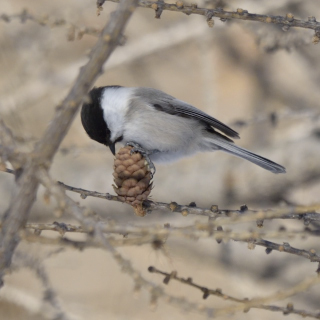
pixel 305 213
pixel 286 22
pixel 27 184
pixel 218 293
pixel 74 31
pixel 97 229
pixel 152 234
pixel 50 298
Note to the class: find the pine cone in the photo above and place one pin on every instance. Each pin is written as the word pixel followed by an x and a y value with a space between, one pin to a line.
pixel 132 177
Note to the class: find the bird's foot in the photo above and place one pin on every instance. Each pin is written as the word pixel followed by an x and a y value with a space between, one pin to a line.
pixel 146 153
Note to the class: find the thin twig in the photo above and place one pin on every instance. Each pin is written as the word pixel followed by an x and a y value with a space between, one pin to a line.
pixel 218 293
pixel 74 31
pixel 294 212
pixel 226 216
pixel 240 14
pixel 306 213
pixel 302 286
pixel 81 245
pixel 22 259
pixel 151 234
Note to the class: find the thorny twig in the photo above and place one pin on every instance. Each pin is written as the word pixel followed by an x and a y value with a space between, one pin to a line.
pixel 226 216
pixel 306 213
pixel 218 293
pixel 151 234
pixel 286 22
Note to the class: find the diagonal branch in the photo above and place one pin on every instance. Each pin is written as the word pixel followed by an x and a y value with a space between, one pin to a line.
pixel 27 184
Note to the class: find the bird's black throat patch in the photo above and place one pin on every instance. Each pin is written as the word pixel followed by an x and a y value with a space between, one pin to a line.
pixel 92 118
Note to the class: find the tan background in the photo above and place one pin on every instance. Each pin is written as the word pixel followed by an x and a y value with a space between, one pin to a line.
pixel 236 71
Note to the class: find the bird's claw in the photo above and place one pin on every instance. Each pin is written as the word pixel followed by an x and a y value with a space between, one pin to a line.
pixel 146 153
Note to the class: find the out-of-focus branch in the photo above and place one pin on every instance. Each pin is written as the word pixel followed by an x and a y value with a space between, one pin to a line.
pixel 218 293
pixel 74 31
pixel 81 245
pixel 8 148
pixel 96 230
pixel 49 295
pixel 27 184
pixel 281 295
pixel 274 117
pixel 286 22
pixel 159 235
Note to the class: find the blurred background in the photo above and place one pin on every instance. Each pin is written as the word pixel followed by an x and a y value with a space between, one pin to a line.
pixel 257 78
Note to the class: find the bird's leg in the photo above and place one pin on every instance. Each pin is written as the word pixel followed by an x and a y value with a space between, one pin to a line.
pixel 146 153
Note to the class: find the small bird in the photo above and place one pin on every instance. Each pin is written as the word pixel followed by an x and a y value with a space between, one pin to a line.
pixel 158 125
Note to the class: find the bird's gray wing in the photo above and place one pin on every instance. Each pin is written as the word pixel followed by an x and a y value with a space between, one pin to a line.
pixel 166 103
pixel 184 108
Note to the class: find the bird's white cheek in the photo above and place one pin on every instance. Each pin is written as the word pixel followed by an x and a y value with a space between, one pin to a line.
pixel 115 105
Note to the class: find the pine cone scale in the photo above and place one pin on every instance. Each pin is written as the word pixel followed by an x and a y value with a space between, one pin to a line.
pixel 132 178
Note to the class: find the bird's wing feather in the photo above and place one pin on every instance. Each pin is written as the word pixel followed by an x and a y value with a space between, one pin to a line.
pixel 188 110
pixel 166 103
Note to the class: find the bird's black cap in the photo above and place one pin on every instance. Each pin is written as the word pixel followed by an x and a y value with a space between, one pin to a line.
pixel 92 117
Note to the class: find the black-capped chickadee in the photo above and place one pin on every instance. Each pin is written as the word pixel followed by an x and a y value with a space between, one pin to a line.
pixel 165 127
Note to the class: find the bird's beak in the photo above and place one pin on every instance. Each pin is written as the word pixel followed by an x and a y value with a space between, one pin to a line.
pixel 112 147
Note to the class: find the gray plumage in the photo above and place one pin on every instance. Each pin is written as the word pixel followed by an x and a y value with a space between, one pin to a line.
pixel 167 127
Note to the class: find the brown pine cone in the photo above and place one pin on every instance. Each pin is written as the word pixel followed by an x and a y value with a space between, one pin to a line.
pixel 132 177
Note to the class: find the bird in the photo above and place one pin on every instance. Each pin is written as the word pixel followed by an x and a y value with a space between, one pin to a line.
pixel 158 125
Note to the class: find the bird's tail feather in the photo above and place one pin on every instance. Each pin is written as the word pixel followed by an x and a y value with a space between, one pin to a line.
pixel 231 148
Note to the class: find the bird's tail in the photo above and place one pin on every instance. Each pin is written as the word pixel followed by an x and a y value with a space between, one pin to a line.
pixel 231 148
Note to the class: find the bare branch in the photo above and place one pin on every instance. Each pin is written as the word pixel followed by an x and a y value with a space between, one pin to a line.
pixel 244 214
pixel 281 295
pixel 74 31
pixel 218 293
pixel 27 185
pixel 285 247
pixel 97 232
pixel 81 245
pixel 8 148
pixel 152 234
pixel 50 298
pixel 294 212
pixel 286 22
